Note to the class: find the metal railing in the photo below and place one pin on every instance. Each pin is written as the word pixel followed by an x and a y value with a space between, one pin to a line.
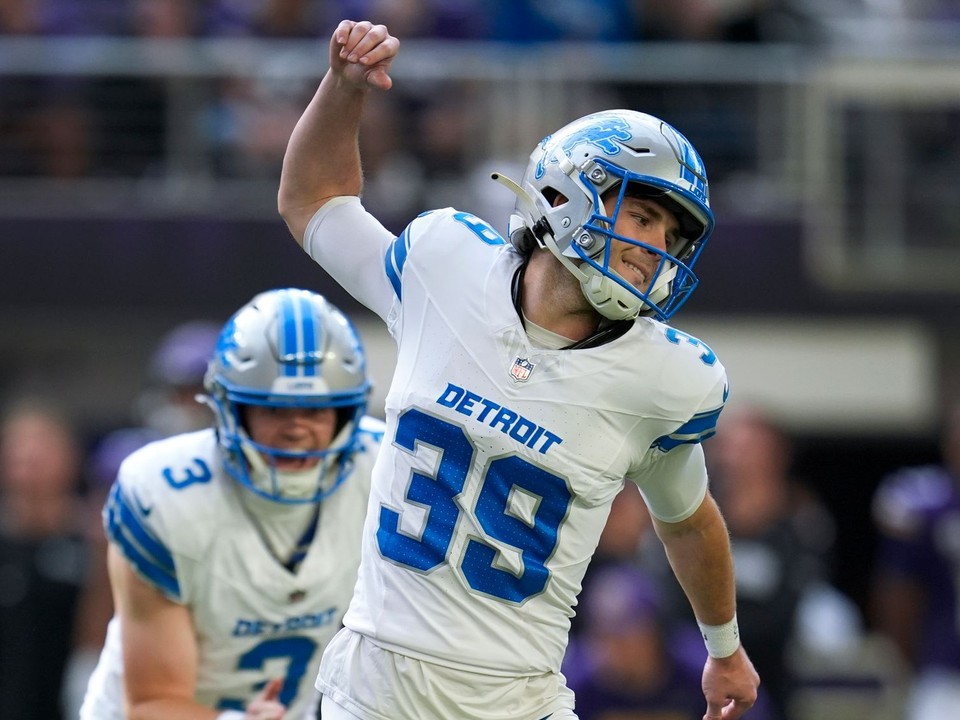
pixel 836 139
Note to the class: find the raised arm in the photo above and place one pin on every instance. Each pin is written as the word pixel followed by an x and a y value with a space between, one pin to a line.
pixel 322 160
pixel 699 552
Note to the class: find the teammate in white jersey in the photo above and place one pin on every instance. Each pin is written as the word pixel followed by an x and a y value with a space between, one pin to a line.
pixel 534 377
pixel 234 550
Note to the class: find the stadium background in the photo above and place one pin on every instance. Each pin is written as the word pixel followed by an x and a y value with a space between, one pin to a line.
pixel 139 168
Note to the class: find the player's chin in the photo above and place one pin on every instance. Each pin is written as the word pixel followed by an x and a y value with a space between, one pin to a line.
pixel 296 464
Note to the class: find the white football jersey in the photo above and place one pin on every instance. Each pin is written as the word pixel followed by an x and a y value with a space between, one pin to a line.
pixel 501 459
pixel 178 518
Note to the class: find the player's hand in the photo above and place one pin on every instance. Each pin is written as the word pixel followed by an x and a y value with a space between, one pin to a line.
pixel 730 686
pixel 361 53
pixel 265 705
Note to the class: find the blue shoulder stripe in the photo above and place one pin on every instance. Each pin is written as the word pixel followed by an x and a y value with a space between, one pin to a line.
pixel 142 548
pixel 396 257
pixel 696 430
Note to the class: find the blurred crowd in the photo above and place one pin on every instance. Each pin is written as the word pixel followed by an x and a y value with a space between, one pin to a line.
pixel 500 20
pixel 124 125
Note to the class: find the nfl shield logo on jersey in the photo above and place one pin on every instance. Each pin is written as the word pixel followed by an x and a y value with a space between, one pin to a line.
pixel 521 369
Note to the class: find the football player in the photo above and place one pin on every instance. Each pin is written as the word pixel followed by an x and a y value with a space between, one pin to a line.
pixel 234 549
pixel 534 377
pixel 916 588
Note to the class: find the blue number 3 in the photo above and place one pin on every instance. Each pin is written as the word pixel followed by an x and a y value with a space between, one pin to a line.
pixel 707 356
pixel 507 482
pixel 298 650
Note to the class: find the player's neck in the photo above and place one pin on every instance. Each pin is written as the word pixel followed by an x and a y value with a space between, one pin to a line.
pixel 550 297
pixel 281 527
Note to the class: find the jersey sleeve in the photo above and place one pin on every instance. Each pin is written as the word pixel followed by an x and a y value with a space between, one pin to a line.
pixel 673 477
pixel 674 484
pixel 130 523
pixel 356 250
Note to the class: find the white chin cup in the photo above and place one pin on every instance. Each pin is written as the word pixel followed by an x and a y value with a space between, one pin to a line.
pixel 663 285
pixel 616 302
pixel 611 300
pixel 293 485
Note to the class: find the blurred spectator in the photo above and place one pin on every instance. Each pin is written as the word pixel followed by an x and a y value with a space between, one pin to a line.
pixel 62 17
pixel 810 22
pixel 135 110
pixel 61 130
pixel 46 127
pixel 18 17
pixel 622 665
pixel 916 594
pixel 691 20
pixel 627 531
pixel 445 19
pixel 168 404
pixel 162 18
pixel 393 176
pixel 628 664
pixel 95 607
pixel 532 21
pixel 251 119
pixel 266 18
pixel 43 551
pixel 445 123
pixel 622 543
pixel 782 539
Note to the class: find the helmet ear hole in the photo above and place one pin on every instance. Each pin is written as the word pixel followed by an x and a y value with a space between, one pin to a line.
pixel 554 197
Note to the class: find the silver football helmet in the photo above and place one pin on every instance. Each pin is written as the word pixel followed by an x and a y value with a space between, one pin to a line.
pixel 614 153
pixel 287 348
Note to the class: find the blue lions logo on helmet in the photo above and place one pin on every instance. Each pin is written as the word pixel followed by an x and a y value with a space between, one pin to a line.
pixel 605 135
pixel 227 342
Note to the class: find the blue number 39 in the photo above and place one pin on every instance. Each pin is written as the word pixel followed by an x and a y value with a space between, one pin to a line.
pixel 534 538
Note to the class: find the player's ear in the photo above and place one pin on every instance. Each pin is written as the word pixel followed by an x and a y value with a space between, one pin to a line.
pixel 556 198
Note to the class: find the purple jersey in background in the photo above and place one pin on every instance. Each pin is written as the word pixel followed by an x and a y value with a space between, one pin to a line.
pixel 917 511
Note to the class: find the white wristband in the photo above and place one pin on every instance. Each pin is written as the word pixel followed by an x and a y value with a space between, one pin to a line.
pixel 232 715
pixel 721 640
